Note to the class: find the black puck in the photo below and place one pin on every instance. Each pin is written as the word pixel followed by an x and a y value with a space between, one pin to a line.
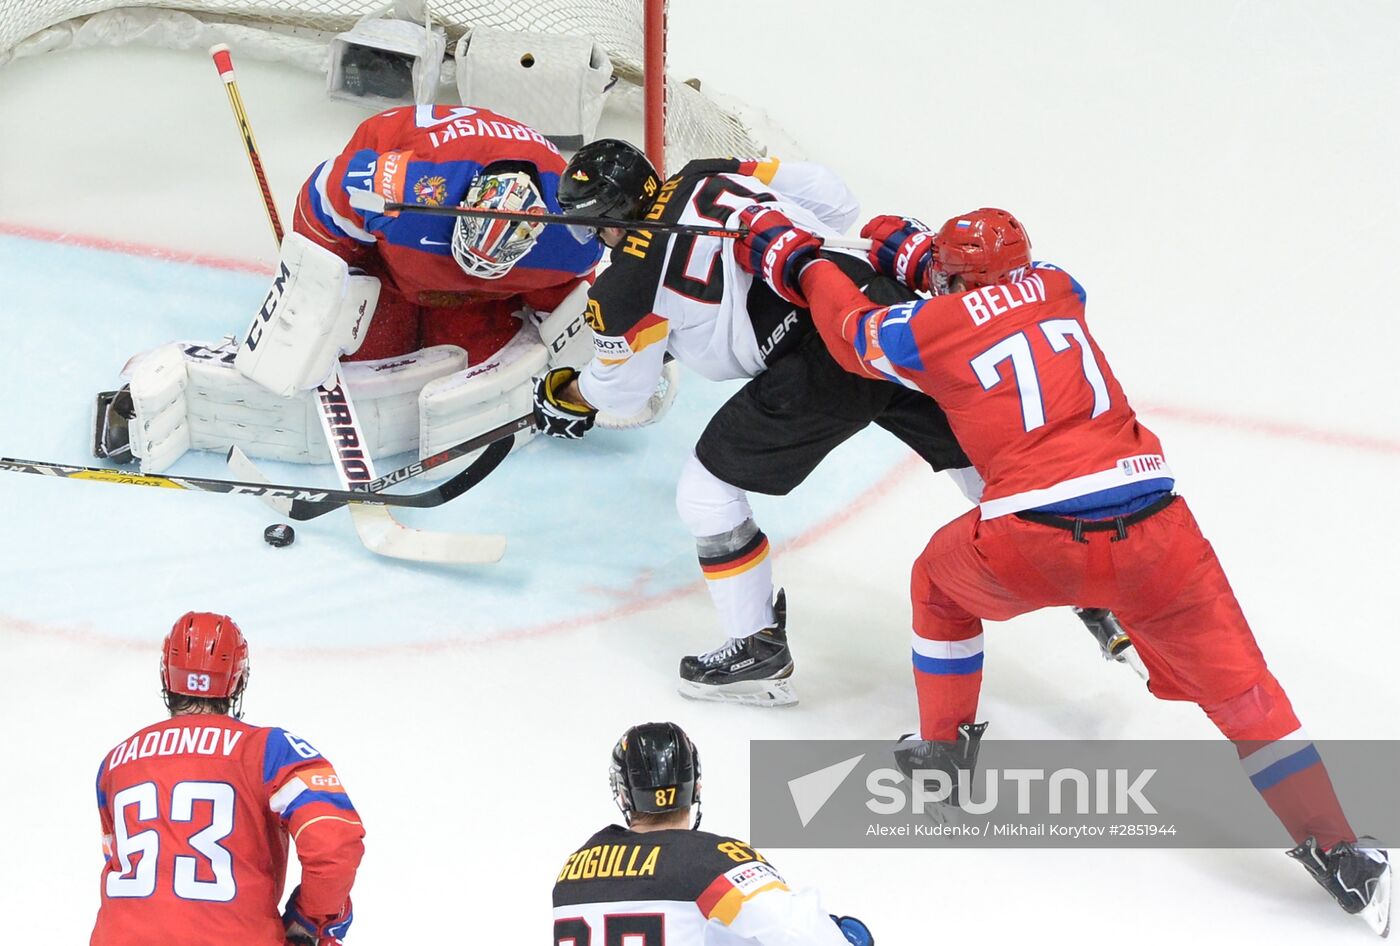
pixel 279 535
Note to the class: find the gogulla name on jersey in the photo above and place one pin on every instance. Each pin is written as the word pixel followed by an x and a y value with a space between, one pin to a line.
pixel 185 740
pixel 611 860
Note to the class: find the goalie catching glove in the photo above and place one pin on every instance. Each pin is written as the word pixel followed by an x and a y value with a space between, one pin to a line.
pixel 775 250
pixel 559 417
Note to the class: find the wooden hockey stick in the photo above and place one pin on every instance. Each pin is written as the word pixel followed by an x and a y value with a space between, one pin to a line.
pixel 375 526
pixel 312 499
pixel 371 202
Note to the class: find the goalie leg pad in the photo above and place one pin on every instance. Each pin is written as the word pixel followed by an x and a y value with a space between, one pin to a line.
pixel 190 396
pixel 471 402
pixel 159 428
pixel 315 312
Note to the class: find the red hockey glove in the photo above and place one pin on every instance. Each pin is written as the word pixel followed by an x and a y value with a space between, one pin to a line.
pixel 775 250
pixel 902 249
pixel 314 931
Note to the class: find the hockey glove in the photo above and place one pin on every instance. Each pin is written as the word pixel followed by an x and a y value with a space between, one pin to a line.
pixel 902 249
pixel 856 932
pixel 302 930
pixel 775 250
pixel 555 416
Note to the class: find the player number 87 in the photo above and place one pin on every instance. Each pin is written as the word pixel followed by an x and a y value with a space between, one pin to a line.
pixel 666 797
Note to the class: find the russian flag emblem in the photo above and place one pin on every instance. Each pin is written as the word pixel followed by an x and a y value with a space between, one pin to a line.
pixel 963 224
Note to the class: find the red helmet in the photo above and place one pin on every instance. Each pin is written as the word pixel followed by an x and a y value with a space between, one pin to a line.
pixel 984 247
pixel 204 655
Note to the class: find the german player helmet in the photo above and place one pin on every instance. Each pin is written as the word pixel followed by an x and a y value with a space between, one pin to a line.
pixel 655 770
pixel 204 655
pixel 985 247
pixel 608 178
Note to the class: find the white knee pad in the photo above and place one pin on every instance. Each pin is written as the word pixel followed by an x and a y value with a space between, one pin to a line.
pixel 473 401
pixel 707 505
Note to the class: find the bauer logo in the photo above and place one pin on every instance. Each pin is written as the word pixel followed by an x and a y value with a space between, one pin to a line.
pixel 1059 793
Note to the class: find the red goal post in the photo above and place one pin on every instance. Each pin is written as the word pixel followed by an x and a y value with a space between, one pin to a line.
pixel 681 121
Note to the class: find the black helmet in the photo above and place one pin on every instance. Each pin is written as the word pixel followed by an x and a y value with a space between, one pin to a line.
pixel 608 178
pixel 655 770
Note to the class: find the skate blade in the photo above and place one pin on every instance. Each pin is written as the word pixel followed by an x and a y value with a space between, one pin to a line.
pixel 1377 912
pixel 747 692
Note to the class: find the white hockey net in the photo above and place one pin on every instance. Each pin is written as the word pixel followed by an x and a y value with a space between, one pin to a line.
pixel 298 31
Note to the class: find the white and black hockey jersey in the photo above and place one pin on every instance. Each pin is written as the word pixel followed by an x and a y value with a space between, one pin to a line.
pixel 681 888
pixel 687 296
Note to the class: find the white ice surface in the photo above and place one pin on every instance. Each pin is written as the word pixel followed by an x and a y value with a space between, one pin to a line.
pixel 1220 176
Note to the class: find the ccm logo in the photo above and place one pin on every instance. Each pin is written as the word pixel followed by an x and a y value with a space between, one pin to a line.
pixel 325 781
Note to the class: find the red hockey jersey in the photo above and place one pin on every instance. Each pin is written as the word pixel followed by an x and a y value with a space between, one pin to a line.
pixel 1027 391
pixel 430 154
pixel 196 813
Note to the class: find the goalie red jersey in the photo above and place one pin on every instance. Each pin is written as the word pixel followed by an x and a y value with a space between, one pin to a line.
pixel 433 155
pixel 1027 391
pixel 196 814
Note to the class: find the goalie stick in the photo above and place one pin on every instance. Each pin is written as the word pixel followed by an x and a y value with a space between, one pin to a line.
pixel 371 202
pixel 312 500
pixel 375 526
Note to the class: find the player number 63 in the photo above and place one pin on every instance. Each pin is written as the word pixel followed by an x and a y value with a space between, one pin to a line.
pixel 198 681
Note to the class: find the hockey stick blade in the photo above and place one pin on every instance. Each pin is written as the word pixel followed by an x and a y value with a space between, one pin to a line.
pixel 383 535
pixel 371 202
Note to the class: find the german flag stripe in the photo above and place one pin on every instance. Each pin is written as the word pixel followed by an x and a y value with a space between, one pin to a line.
pixel 722 901
pixel 736 563
pixel 650 328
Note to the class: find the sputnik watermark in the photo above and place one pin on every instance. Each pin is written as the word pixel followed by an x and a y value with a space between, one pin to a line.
pixel 1054 793
pixel 1114 791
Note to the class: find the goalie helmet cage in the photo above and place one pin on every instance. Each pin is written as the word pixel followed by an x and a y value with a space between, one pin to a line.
pixel 681 122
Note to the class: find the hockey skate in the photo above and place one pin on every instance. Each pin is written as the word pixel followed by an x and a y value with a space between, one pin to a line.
pixel 924 755
pixel 756 670
pixel 1357 875
pixel 1114 643
pixel 111 440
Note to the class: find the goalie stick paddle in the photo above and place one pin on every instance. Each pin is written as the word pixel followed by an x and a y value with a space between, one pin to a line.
pixel 371 202
pixel 313 497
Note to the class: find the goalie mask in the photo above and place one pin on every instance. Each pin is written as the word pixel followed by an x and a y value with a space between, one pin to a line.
pixel 487 248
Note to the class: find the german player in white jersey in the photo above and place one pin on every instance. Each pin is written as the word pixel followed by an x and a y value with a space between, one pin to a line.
pixel 660 877
pixel 684 297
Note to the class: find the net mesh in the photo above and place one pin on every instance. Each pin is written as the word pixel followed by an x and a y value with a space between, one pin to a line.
pixel 695 125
